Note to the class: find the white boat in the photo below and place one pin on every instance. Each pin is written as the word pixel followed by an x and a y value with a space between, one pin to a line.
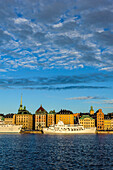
pixel 6 128
pixel 60 128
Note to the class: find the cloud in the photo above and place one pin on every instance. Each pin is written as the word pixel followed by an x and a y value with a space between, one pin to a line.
pixel 84 98
pixel 57 82
pixel 3 70
pixel 105 107
pixel 20 20
pixel 45 29
pixel 57 25
pixel 64 87
pixel 109 101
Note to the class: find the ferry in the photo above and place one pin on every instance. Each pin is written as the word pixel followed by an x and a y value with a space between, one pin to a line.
pixel 7 128
pixel 60 128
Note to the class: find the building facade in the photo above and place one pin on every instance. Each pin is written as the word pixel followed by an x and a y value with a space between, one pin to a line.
pixel 86 121
pixel 51 118
pixel 108 124
pixel 26 120
pixel 100 120
pixel 66 116
pixel 40 118
pixel 23 117
pixel 8 119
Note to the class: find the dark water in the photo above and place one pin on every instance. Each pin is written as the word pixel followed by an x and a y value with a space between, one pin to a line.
pixel 56 152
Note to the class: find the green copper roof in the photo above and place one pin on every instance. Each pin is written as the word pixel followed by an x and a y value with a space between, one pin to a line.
pixel 52 112
pixel 86 116
pixel 91 108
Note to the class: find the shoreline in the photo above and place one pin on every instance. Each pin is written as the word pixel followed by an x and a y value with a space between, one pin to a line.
pixel 31 132
pixel 40 132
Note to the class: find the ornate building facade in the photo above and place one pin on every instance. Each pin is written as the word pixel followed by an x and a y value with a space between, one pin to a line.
pixel 23 117
pixel 100 120
pixel 86 121
pixel 40 118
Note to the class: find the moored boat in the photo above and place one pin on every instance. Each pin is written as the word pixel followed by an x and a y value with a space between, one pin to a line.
pixel 7 128
pixel 60 128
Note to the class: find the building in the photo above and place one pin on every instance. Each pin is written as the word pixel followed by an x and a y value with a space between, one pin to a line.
pixel 23 117
pixel 110 115
pixel 8 119
pixel 66 116
pixel 100 119
pixel 40 118
pixel 86 121
pixel 91 111
pixel 51 118
pixel 108 122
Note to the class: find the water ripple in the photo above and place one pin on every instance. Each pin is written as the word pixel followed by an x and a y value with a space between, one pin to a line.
pixel 46 152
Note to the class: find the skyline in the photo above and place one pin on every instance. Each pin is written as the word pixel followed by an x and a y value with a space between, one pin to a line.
pixel 56 53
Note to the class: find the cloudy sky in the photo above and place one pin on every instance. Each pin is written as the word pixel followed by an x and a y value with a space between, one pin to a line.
pixel 58 53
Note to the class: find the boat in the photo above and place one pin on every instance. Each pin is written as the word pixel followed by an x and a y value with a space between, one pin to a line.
pixel 61 128
pixel 8 128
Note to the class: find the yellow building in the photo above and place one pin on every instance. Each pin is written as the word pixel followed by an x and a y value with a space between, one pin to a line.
pixel 23 117
pixel 8 119
pixel 100 119
pixel 108 124
pixel 40 118
pixel 66 116
pixel 86 121
pixel 51 118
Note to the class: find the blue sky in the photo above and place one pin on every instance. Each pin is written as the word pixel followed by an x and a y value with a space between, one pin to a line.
pixel 58 53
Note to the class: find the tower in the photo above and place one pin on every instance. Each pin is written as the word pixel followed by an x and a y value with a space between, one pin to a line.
pixel 20 108
pixel 91 111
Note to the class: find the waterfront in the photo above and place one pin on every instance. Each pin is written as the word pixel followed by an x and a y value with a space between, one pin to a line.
pixel 37 151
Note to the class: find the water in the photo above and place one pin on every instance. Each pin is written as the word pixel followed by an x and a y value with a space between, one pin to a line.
pixel 38 151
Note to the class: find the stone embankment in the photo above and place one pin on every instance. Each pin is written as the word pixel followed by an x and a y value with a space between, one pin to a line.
pixel 31 132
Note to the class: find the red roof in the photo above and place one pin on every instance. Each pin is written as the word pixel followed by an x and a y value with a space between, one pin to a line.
pixel 41 109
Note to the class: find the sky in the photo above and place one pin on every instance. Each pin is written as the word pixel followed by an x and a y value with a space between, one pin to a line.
pixel 58 53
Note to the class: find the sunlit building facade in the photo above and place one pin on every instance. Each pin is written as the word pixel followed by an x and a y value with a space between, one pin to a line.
pixel 100 119
pixel 108 124
pixel 51 118
pixel 40 118
pixel 86 121
pixel 8 119
pixel 66 116
pixel 23 117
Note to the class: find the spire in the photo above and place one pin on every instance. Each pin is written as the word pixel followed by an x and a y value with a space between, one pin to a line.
pixel 21 101
pixel 20 108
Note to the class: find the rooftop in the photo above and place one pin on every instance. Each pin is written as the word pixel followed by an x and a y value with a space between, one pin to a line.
pixel 86 116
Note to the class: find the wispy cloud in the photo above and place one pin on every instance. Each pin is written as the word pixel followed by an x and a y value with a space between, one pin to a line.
pixel 64 87
pixel 108 101
pixel 105 107
pixel 57 82
pixel 84 98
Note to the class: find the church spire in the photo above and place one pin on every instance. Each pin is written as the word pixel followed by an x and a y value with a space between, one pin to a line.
pixel 21 101
pixel 20 108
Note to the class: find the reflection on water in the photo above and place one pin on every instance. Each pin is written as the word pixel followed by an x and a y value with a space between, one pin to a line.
pixel 35 151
